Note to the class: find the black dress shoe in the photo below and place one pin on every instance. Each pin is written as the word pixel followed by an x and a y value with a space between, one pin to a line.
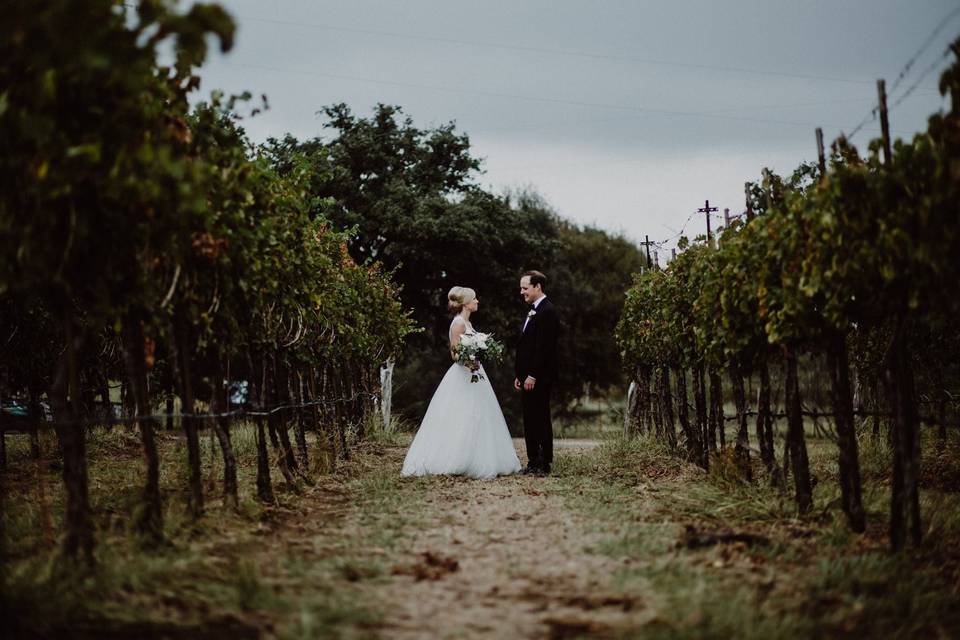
pixel 530 471
pixel 543 471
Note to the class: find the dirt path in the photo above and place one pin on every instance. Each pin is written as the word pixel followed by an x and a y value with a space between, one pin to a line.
pixel 502 558
pixel 625 540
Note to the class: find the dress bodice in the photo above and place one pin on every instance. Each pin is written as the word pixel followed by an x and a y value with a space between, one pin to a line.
pixel 458 320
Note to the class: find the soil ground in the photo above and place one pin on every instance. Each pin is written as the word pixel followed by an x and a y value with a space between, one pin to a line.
pixel 623 540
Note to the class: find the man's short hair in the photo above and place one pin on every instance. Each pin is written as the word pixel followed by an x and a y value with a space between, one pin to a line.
pixel 536 278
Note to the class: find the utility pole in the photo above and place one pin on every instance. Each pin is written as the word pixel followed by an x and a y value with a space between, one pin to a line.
pixel 884 122
pixel 707 209
pixel 647 244
pixel 746 192
pixel 767 187
pixel 820 154
pixel 726 216
pixel 656 259
pixel 673 253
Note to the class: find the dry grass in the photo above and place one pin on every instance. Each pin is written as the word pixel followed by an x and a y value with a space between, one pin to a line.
pixel 337 557
pixel 239 572
pixel 813 579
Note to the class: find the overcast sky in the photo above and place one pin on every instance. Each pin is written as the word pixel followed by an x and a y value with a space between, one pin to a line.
pixel 622 114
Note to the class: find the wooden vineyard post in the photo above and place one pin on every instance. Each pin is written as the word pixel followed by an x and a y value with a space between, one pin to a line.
pixel 183 338
pixel 78 541
pixel 258 392
pixel 280 397
pixel 683 414
pixel 884 121
pixel 765 426
pixel 821 157
pixel 657 404
pixel 796 440
pixel 221 425
pixel 700 403
pixel 298 398
pixel 717 431
pixel 741 450
pixel 667 400
pixel 849 462
pixel 646 406
pixel 274 424
pixel 900 385
pixel 150 522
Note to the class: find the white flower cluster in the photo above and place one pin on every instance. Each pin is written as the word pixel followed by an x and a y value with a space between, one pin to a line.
pixel 473 348
pixel 476 340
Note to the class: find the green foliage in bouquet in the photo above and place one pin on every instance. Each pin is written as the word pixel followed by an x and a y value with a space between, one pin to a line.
pixel 475 348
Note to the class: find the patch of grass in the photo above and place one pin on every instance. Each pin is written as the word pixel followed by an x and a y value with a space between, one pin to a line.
pixel 397 434
pixel 592 420
pixel 707 608
pixel 221 570
pixel 640 539
pixel 251 594
pixel 35 600
pixel 330 613
pixel 354 569
pixel 387 505
pixel 815 578
pixel 875 457
pixel 882 595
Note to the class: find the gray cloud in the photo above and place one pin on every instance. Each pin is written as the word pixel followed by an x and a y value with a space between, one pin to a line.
pixel 622 113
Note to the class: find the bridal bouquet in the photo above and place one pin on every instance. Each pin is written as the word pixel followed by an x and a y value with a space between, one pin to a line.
pixel 476 347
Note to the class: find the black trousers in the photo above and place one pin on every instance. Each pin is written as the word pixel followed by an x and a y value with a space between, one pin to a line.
pixel 537 425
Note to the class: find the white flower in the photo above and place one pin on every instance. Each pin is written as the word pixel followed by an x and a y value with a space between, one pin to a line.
pixel 531 313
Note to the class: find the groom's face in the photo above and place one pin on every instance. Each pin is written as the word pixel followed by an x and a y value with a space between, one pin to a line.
pixel 529 291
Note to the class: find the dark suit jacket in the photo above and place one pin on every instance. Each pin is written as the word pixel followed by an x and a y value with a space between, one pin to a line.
pixel 537 349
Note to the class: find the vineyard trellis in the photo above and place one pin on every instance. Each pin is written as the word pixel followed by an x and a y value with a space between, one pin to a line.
pixel 846 271
pixel 158 247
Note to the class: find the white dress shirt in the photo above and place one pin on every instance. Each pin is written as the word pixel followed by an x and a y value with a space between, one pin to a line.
pixel 536 303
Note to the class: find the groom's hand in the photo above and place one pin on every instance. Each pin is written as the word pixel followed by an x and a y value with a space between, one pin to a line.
pixel 529 383
pixel 516 384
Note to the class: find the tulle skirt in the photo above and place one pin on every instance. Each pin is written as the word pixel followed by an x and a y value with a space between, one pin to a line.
pixel 463 432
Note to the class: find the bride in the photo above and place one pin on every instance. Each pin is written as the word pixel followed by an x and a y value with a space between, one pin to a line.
pixel 463 431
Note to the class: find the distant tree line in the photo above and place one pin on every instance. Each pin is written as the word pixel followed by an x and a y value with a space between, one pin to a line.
pixel 410 199
pixel 146 243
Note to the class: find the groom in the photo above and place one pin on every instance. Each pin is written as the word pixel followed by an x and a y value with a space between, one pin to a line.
pixel 536 371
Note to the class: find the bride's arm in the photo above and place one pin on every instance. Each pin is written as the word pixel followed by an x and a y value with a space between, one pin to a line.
pixel 456 332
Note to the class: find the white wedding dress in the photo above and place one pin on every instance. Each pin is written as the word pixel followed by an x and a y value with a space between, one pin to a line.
pixel 463 431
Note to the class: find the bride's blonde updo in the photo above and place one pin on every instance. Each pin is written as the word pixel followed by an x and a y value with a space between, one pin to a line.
pixel 458 297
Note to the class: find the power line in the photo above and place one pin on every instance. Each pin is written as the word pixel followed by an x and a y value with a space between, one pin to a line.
pixel 540 125
pixel 874 112
pixel 906 71
pixel 909 65
pixel 567 52
pixel 933 67
pixel 553 51
pixel 661 243
pixel 497 94
pixel 868 118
